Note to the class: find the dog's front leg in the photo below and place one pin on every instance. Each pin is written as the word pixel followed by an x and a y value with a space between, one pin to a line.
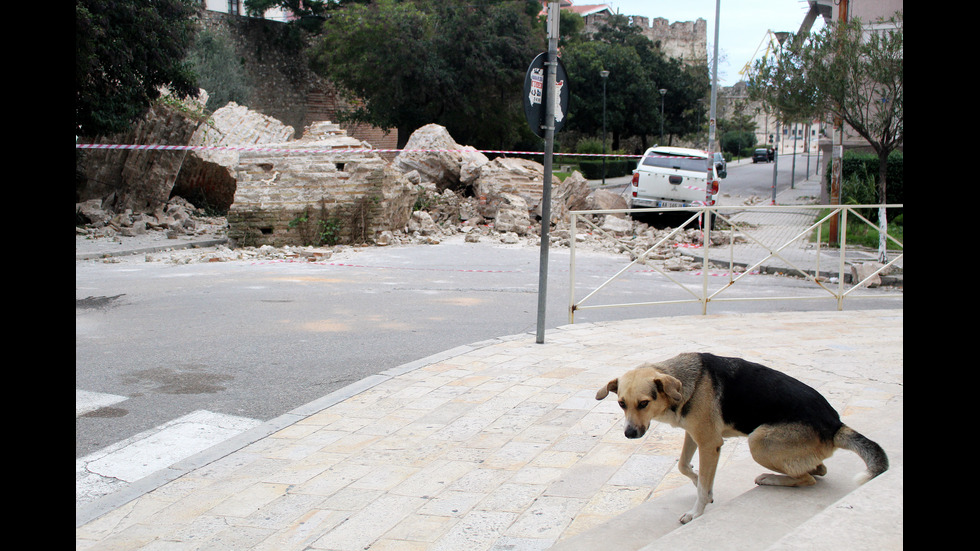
pixel 684 463
pixel 708 454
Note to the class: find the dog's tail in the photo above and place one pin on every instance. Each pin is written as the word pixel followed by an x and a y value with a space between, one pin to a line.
pixel 872 454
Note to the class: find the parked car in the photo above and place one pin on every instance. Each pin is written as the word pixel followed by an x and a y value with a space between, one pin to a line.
pixel 761 156
pixel 721 164
pixel 674 177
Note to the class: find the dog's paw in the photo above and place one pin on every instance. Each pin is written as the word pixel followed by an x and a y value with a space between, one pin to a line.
pixel 689 516
pixel 770 479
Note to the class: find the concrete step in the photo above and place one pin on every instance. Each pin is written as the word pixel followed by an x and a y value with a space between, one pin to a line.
pixel 835 513
pixel 869 518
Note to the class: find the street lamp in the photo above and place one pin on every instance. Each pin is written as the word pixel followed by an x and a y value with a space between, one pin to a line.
pixel 604 75
pixel 663 91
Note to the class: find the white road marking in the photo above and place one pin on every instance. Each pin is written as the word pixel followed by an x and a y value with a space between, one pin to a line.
pixel 86 401
pixel 111 468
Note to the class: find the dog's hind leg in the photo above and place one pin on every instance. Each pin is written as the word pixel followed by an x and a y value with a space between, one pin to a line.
pixel 793 450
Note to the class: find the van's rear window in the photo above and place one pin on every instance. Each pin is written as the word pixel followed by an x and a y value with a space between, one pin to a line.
pixel 699 164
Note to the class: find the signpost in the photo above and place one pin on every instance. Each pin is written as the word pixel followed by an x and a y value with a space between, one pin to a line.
pixel 541 81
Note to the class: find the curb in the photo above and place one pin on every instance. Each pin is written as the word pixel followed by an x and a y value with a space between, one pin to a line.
pixel 155 249
pixel 92 510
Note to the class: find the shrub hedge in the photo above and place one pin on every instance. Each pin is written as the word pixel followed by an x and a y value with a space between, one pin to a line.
pixel 592 168
pixel 864 167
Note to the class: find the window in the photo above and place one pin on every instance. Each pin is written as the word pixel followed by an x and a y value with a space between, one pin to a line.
pixel 677 162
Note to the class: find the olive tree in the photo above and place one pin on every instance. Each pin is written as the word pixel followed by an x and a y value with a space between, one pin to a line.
pixel 849 70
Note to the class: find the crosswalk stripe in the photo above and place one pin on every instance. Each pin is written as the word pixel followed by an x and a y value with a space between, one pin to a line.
pixel 108 469
pixel 86 401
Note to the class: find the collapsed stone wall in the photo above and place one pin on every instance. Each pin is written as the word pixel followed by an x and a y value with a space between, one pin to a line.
pixel 207 177
pixel 137 180
pixel 320 188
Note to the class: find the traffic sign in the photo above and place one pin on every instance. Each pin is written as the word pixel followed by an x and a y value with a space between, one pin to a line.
pixel 535 94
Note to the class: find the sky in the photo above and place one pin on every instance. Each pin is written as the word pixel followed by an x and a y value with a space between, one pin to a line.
pixel 743 24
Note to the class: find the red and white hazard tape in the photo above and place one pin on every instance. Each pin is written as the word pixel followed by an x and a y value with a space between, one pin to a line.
pixel 320 150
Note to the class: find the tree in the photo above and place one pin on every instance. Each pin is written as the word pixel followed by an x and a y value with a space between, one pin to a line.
pixel 456 63
pixel 220 70
pixel 125 51
pixel 309 14
pixel 637 69
pixel 853 73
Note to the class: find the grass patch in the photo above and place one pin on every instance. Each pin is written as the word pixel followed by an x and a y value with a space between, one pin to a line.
pixel 860 233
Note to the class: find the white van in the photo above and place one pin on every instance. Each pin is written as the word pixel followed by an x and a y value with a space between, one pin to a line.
pixel 674 177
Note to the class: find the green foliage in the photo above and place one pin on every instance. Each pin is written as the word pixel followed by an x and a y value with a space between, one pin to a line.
pixel 125 50
pixel 859 171
pixel 590 146
pixel 615 167
pixel 219 69
pixel 450 62
pixel 301 8
pixel 736 142
pixel 637 70
pixel 862 234
pixel 848 70
pixel 315 229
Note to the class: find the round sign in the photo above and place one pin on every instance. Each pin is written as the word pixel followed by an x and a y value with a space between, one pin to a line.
pixel 535 95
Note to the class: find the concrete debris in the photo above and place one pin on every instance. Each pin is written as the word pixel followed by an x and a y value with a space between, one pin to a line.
pixel 175 217
pixel 207 176
pixel 436 157
pixel 435 190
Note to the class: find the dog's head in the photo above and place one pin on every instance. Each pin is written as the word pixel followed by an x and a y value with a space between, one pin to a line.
pixel 644 394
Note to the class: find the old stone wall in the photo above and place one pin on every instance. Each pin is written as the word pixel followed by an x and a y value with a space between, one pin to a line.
pixel 323 189
pixel 137 180
pixel 283 86
pixel 684 40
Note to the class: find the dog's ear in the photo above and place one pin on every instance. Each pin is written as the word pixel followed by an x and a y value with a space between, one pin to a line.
pixel 670 387
pixel 611 386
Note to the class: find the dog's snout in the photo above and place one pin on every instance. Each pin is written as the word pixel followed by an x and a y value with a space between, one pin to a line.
pixel 634 432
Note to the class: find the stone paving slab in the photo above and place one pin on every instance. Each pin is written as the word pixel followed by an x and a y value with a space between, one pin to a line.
pixel 500 445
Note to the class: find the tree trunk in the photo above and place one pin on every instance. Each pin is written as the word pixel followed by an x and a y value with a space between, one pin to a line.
pixel 883 199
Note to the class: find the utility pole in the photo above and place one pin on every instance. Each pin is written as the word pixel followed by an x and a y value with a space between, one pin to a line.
pixel 551 96
pixel 711 119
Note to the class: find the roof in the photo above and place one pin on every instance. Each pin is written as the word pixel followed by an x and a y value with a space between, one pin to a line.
pixel 583 10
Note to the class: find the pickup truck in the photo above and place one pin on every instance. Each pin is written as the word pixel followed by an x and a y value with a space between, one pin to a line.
pixel 674 177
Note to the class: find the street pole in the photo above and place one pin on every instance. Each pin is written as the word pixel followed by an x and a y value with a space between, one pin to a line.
pixel 603 75
pixel 551 97
pixel 663 91
pixel 711 123
pixel 775 163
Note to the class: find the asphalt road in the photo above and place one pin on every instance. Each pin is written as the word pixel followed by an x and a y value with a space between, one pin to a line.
pixel 249 341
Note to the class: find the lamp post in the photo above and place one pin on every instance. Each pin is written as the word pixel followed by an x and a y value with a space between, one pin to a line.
pixel 604 75
pixel 663 91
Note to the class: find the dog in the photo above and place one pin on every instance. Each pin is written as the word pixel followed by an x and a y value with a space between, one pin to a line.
pixel 791 428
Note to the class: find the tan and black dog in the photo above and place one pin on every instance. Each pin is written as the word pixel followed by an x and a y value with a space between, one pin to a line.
pixel 790 427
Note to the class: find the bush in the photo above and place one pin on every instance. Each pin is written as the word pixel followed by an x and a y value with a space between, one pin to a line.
pixel 862 166
pixel 591 167
pixel 615 167
pixel 735 142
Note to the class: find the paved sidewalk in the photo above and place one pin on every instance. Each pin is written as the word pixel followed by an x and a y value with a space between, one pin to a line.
pixel 501 445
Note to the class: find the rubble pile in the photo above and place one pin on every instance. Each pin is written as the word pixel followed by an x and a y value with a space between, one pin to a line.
pixel 175 217
pixel 434 190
